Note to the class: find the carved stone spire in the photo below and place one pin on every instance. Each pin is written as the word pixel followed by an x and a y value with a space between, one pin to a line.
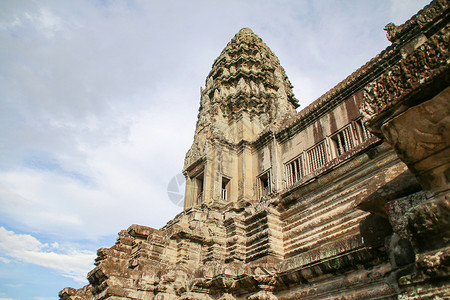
pixel 247 76
pixel 246 90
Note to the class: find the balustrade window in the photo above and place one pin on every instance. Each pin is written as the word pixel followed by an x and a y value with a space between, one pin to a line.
pixel 362 132
pixel 198 181
pixel 316 156
pixel 294 170
pixel 342 141
pixel 225 191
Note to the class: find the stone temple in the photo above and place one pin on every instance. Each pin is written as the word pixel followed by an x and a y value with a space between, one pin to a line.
pixel 346 199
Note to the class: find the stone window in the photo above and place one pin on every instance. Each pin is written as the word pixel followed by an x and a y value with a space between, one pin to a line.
pixel 361 131
pixel 342 141
pixel 316 156
pixel 294 170
pixel 225 191
pixel 198 188
pixel 264 184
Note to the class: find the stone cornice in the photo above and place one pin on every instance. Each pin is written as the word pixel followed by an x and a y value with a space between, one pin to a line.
pixel 417 23
pixel 421 69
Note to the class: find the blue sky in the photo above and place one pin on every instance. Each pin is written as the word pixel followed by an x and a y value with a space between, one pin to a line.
pixel 98 103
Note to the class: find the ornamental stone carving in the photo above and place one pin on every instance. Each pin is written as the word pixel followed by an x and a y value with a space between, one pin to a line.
pixel 428 60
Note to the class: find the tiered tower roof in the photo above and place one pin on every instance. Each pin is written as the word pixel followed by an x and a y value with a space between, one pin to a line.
pixel 246 91
pixel 247 76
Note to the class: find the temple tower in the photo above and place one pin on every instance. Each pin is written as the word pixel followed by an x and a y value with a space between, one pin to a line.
pixel 247 92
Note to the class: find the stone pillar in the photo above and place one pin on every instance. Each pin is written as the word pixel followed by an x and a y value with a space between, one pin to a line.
pixel 189 193
pixel 246 178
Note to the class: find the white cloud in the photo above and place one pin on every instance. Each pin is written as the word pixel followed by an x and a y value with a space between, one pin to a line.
pixel 121 182
pixel 22 14
pixel 71 263
pixel 45 22
pixel 4 260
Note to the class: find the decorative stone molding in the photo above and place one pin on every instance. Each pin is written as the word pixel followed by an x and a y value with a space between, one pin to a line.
pixel 420 133
pixel 428 61
pixel 421 20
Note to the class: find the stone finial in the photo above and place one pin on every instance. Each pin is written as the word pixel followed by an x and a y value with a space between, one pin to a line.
pixel 245 30
pixel 391 31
